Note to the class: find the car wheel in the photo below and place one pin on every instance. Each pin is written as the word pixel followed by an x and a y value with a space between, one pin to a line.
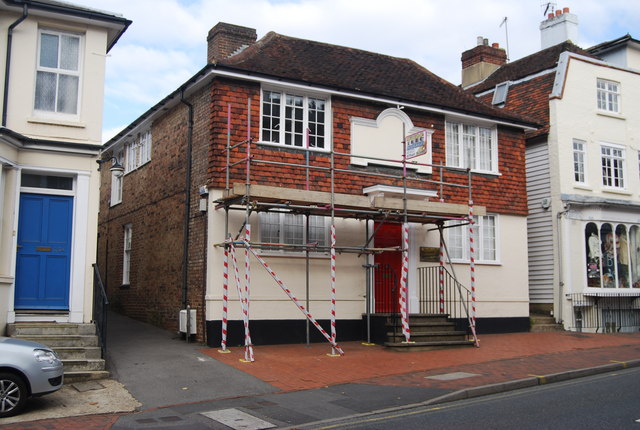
pixel 13 394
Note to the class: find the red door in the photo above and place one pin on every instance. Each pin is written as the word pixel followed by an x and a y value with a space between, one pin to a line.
pixel 389 266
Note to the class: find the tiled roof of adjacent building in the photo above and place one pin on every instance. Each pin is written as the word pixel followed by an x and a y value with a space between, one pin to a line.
pixel 527 66
pixel 358 71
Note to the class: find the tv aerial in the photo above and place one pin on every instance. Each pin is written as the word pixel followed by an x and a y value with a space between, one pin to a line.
pixel 547 7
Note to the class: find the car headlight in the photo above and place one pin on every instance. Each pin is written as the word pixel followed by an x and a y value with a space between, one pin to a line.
pixel 45 356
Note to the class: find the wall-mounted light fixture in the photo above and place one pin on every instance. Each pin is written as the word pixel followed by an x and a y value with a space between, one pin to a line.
pixel 116 169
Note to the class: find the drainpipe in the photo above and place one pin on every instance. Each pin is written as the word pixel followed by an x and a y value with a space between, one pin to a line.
pixel 5 94
pixel 187 215
pixel 559 314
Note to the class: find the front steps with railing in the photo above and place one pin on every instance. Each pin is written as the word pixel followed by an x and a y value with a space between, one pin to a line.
pixel 77 346
pixel 427 332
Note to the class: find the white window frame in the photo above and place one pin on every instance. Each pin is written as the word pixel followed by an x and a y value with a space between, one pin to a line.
pixel 580 161
pixel 286 234
pixel 608 95
pixel 500 93
pixel 486 240
pixel 116 184
pixel 58 71
pixel 614 157
pixel 459 135
pixel 277 134
pixel 126 254
pixel 137 153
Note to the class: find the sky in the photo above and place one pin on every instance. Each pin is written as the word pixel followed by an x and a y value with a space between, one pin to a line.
pixel 166 43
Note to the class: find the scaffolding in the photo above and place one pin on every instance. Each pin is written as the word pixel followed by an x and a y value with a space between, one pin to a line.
pixel 251 197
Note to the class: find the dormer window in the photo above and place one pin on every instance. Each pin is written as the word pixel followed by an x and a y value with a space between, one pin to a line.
pixel 58 73
pixel 500 93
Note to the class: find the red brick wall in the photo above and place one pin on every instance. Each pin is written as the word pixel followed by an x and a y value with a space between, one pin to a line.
pixel 153 203
pixel 153 195
pixel 505 193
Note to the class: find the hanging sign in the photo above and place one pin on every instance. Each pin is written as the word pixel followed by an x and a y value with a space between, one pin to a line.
pixel 416 144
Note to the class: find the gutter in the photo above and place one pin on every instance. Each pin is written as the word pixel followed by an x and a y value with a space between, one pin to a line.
pixel 79 12
pixel 5 92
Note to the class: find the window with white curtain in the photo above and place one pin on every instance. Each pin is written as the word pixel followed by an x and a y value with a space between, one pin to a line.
pixel 279 228
pixel 471 146
pixel 485 240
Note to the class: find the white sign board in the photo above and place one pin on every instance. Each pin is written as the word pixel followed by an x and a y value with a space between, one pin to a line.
pixel 416 144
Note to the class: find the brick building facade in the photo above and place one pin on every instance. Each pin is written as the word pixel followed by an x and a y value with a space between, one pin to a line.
pixel 339 106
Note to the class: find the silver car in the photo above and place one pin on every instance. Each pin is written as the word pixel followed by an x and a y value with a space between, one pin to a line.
pixel 26 369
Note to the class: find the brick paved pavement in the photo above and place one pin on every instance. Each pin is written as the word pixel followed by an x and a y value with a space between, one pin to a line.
pixel 511 356
pixel 500 358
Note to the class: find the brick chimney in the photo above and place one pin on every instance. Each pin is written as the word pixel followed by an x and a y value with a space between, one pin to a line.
pixel 225 40
pixel 479 62
pixel 558 27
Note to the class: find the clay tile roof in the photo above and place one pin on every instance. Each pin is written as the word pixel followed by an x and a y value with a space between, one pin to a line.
pixel 355 70
pixel 530 65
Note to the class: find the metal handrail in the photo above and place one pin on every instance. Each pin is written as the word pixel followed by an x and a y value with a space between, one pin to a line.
pixel 456 296
pixel 100 306
pixel 606 311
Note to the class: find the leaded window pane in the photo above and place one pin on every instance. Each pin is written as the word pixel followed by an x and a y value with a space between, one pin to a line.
pixel 49 51
pixel 67 94
pixel 45 91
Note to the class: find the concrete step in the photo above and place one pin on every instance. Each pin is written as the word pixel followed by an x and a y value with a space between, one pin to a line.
pixel 54 341
pixel 442 336
pixel 81 376
pixel 78 352
pixel 46 328
pixel 544 323
pixel 425 327
pixel 83 365
pixel 427 346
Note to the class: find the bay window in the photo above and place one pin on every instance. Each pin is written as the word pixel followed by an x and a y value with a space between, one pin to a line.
pixel 613 255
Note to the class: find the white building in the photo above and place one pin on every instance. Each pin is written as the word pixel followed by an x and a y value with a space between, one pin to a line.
pixel 583 175
pixel 53 67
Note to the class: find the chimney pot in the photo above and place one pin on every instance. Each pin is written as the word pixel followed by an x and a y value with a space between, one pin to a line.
pixel 495 45
pixel 549 16
pixel 565 10
pixel 479 40
pixel 558 12
pixel 485 42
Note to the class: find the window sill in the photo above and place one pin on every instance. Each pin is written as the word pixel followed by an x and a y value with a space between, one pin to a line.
pixel 56 121
pixel 613 115
pixel 476 262
pixel 300 255
pixel 583 187
pixel 622 192
pixel 474 172
pixel 288 148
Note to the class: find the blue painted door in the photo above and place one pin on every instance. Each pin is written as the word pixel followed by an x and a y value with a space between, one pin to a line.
pixel 44 252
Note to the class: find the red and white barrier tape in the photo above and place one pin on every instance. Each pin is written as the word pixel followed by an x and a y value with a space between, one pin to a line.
pixel 295 300
pixel 245 315
pixel 441 275
pixel 333 284
pixel 225 297
pixel 403 282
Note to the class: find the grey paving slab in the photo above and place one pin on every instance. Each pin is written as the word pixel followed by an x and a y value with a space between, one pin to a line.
pixel 159 368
